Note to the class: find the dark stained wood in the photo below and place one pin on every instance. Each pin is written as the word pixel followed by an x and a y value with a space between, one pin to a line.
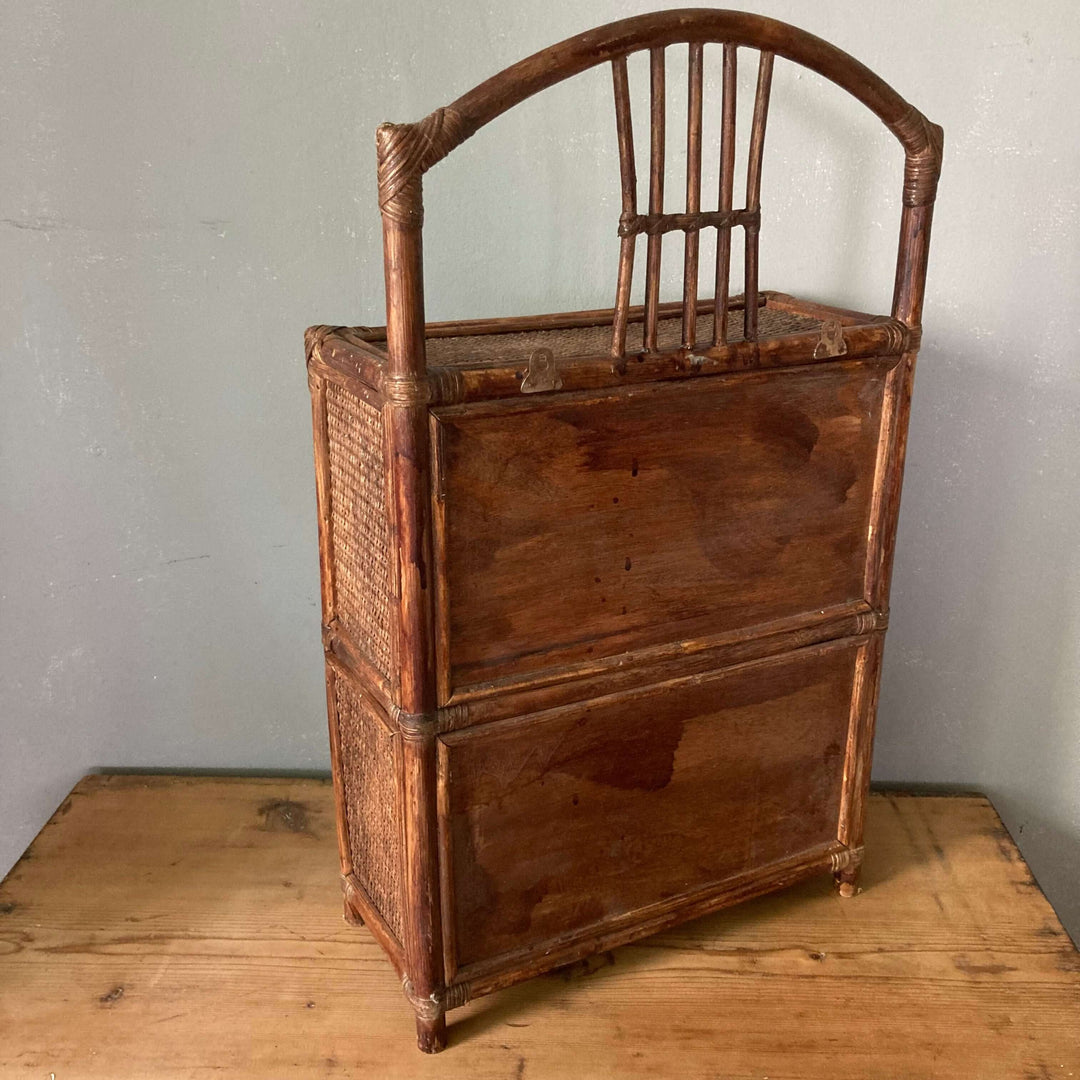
pixel 693 191
pixel 367 335
pixel 653 514
pixel 653 253
pixel 342 650
pixel 317 385
pixel 911 265
pixel 800 306
pixel 552 65
pixel 491 379
pixel 753 191
pixel 733 772
pixel 892 453
pixel 857 755
pixel 585 679
pixel 628 178
pixel 344 856
pixel 361 910
pixel 405 417
pixel 492 375
pixel 627 595
pixel 727 193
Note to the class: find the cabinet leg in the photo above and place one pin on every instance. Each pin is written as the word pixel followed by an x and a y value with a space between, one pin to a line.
pixel 431 1033
pixel 352 916
pixel 847 880
pixel 430 1017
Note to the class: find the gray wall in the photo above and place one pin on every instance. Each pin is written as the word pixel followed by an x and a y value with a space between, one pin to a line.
pixel 184 187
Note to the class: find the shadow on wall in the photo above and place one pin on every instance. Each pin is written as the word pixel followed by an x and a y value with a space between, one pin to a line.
pixel 981 671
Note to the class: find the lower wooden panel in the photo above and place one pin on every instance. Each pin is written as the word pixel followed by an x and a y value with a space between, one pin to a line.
pixel 556 824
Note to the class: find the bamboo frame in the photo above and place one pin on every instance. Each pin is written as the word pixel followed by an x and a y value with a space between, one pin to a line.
pixel 753 192
pixel 405 153
pixel 693 191
pixel 628 176
pixel 726 195
pixel 654 248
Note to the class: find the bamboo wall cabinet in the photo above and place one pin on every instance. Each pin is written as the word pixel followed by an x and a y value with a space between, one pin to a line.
pixel 604 593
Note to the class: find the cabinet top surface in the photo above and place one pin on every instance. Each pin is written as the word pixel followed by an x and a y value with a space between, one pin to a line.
pixel 492 358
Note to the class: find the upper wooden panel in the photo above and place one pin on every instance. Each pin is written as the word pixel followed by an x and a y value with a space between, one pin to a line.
pixel 575 527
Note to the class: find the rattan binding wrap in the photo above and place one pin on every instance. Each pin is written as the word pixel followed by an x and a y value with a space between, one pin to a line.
pixel 596 340
pixel 371 803
pixel 359 525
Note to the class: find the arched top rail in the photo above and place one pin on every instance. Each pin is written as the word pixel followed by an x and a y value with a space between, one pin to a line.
pixel 406 151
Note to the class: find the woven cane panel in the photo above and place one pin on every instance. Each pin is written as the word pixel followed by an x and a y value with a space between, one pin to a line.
pixel 596 340
pixel 358 521
pixel 371 803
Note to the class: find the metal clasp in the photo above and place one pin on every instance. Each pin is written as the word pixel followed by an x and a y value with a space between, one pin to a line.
pixel 832 341
pixel 542 375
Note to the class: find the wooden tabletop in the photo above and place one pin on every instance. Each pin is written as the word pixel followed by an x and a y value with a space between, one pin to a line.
pixel 188 927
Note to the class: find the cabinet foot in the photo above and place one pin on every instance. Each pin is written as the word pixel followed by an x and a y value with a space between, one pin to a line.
pixel 847 881
pixel 431 1033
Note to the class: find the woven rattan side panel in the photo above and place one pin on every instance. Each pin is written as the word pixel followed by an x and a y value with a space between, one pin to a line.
pixel 358 522
pixel 372 806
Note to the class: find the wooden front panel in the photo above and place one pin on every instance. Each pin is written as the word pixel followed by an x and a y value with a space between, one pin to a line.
pixel 576 527
pixel 557 822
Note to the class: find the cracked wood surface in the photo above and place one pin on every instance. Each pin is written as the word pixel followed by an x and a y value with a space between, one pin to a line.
pixel 180 927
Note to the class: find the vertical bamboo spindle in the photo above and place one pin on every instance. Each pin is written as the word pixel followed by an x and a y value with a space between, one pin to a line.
pixel 727 185
pixel 693 193
pixel 628 176
pixel 753 194
pixel 656 195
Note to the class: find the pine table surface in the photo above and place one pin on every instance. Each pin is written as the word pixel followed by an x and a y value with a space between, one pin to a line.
pixel 190 927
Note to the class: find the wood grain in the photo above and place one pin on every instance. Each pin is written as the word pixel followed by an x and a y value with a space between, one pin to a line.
pixel 360 365
pixel 652 515
pixel 559 822
pixel 170 928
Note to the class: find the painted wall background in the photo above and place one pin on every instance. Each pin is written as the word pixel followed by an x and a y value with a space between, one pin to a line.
pixel 184 187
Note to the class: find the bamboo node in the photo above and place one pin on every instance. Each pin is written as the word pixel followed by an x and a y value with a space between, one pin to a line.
pixel 315 336
pixel 406 152
pixel 437 1002
pixel 406 390
pixel 845 859
pixel 923 167
pixel 426 1008
pixel 456 996
pixel 412 726
pixel 420 725
pixel 450 718
pixel 447 385
pixel 899 338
